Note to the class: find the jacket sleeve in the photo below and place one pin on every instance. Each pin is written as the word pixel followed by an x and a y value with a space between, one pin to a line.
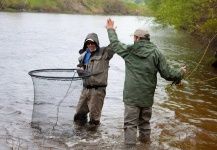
pixel 167 72
pixel 109 52
pixel 80 60
pixel 116 45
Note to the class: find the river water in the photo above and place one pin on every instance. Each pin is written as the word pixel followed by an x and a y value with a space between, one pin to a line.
pixel 183 117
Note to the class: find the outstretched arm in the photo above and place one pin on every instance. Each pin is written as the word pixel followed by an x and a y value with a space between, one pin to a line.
pixel 116 45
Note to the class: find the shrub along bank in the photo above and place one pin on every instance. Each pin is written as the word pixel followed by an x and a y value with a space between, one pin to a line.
pixel 118 7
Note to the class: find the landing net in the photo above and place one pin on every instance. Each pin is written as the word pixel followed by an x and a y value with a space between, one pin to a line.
pixel 56 92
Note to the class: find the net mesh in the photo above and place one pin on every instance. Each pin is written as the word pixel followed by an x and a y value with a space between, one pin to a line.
pixel 56 92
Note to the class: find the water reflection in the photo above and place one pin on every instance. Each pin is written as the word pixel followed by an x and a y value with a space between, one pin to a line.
pixel 195 107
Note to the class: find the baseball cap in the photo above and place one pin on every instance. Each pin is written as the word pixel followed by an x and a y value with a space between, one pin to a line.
pixel 89 40
pixel 141 32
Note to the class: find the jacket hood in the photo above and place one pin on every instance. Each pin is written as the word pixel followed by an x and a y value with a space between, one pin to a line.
pixel 143 48
pixel 92 36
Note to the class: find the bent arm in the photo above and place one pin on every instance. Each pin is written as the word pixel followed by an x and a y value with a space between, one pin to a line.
pixel 109 52
pixel 167 72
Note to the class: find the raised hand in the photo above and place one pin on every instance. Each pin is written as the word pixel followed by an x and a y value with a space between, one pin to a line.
pixel 110 24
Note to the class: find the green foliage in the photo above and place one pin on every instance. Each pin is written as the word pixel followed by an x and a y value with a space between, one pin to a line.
pixel 21 4
pixel 198 17
pixel 114 7
pixel 42 3
pixel 138 9
pixel 93 6
pixel 76 6
pixel 154 5
pixel 210 26
pixel 133 5
pixel 4 4
pixel 34 3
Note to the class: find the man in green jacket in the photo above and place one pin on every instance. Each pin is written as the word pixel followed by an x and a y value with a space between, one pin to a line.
pixel 143 61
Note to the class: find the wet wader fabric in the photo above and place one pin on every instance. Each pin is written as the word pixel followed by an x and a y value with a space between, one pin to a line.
pixel 91 101
pixel 133 117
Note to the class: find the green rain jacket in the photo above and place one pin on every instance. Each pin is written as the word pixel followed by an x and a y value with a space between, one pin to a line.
pixel 142 63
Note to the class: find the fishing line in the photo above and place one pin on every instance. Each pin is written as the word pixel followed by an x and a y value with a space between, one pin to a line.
pixel 57 118
pixel 65 95
pixel 202 56
pixel 204 80
pixel 197 53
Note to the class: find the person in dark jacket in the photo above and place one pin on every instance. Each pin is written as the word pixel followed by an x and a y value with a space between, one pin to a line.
pixel 94 59
pixel 143 61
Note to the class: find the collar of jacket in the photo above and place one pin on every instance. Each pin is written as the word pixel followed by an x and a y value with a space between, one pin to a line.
pixel 92 53
pixel 84 53
pixel 142 48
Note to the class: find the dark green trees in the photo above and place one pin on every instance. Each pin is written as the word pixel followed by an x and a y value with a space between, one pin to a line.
pixel 199 17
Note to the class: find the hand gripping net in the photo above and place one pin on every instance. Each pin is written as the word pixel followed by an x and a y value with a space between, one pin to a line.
pixel 56 92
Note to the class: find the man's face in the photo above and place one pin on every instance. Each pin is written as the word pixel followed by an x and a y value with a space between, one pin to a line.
pixel 136 38
pixel 91 45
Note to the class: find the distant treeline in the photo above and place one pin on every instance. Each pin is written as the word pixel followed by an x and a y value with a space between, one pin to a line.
pixel 118 7
pixel 198 17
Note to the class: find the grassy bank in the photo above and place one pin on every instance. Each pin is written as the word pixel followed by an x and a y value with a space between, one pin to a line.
pixel 117 7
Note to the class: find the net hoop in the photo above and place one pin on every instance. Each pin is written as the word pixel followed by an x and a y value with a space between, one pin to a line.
pixel 39 74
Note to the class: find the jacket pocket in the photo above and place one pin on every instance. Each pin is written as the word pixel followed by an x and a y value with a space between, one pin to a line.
pixel 97 65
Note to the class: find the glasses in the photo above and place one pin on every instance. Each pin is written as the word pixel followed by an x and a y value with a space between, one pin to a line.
pixel 89 42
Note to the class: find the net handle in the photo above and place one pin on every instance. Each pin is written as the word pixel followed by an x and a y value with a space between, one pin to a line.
pixel 32 74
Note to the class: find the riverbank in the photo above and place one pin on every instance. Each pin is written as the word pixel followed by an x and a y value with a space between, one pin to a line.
pixel 104 7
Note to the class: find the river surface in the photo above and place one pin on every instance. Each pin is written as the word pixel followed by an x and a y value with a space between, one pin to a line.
pixel 183 117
